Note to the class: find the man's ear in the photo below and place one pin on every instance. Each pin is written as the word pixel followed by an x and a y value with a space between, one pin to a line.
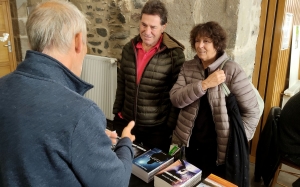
pixel 78 43
pixel 164 27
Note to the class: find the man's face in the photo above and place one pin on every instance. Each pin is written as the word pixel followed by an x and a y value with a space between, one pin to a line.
pixel 150 29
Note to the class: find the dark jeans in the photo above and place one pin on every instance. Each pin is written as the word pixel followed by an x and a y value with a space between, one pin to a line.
pixel 205 159
pixel 151 137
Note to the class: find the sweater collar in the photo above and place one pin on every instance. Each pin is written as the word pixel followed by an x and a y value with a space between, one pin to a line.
pixel 42 66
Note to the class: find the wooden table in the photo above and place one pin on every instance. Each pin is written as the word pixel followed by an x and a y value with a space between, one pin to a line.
pixel 137 182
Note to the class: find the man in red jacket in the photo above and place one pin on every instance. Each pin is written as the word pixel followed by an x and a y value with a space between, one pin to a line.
pixel 148 69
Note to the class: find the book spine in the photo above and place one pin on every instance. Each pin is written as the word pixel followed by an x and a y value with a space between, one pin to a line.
pixel 153 172
pixel 161 167
pixel 194 180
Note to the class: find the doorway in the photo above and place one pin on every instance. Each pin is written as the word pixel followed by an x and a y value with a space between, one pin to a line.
pixel 270 74
pixel 7 52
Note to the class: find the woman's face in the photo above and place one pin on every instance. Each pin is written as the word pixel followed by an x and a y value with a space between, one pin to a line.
pixel 205 49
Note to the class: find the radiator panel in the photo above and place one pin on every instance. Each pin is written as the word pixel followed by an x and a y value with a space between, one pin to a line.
pixel 102 73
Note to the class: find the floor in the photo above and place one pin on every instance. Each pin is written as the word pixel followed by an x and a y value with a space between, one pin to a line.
pixel 283 178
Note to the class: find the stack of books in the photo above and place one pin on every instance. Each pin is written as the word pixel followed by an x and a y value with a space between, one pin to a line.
pixel 139 149
pixel 215 181
pixel 146 165
pixel 179 174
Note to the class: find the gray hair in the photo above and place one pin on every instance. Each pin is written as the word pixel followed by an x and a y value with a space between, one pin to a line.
pixel 53 25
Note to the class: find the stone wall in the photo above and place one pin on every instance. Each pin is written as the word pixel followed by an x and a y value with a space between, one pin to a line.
pixel 114 22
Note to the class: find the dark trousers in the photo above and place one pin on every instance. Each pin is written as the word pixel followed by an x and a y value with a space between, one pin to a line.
pixel 205 159
pixel 152 137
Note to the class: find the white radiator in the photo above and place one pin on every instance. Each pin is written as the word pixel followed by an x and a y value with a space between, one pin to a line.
pixel 102 73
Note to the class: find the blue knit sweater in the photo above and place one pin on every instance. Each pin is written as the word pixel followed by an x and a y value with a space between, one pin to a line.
pixel 50 135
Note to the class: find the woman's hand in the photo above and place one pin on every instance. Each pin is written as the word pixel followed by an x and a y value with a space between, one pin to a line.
pixel 214 79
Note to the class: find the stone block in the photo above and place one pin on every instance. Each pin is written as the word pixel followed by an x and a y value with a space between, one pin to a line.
pixel 99 51
pixel 135 17
pixel 120 35
pixel 106 45
pixel 138 4
pixel 102 32
pixel 22 27
pixel 125 6
pixel 22 11
pixel 98 20
pixel 90 35
pixel 121 18
pixel 95 43
pixel 90 15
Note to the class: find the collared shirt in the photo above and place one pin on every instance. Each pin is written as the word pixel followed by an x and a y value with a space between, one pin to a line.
pixel 143 57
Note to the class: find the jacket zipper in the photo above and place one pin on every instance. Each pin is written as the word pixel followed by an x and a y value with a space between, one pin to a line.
pixel 138 85
pixel 217 162
pixel 193 124
pixel 188 142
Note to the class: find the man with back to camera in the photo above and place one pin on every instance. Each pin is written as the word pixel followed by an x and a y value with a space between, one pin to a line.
pixel 148 69
pixel 50 134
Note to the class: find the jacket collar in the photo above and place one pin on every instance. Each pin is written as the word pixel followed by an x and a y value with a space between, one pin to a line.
pixel 216 64
pixel 171 42
pixel 167 41
pixel 41 66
